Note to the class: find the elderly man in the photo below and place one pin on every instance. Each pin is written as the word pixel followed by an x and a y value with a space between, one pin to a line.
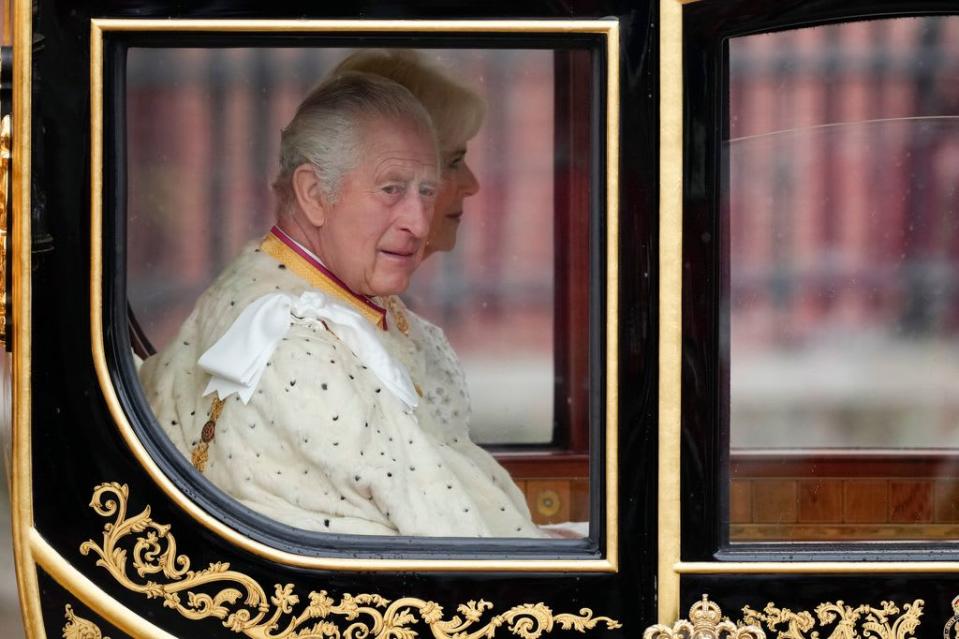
pixel 292 388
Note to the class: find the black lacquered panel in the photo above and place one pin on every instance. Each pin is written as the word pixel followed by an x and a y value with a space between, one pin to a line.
pixel 63 609
pixel 76 445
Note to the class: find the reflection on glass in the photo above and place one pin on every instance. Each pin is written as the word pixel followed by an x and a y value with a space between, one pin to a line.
pixel 203 132
pixel 189 109
pixel 842 205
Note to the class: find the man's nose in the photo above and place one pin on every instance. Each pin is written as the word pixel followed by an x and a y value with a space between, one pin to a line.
pixel 417 214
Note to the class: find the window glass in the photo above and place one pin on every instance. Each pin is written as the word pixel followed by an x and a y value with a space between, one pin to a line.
pixel 842 210
pixel 203 142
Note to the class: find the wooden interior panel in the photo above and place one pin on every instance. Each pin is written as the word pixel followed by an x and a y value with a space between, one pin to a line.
pixel 865 501
pixel 775 501
pixel 820 500
pixel 740 502
pixel 947 501
pixel 843 497
pixel 910 501
pixel 566 474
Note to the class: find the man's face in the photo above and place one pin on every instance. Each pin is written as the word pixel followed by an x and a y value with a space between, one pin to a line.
pixel 373 236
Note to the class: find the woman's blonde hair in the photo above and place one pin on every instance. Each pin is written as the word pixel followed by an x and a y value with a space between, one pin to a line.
pixel 456 110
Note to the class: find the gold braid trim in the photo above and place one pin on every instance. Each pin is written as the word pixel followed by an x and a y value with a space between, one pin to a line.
pixel 201 453
pixel 299 266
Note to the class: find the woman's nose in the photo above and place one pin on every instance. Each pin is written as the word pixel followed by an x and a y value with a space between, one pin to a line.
pixel 468 182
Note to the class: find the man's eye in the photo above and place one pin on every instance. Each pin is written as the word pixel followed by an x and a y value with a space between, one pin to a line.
pixel 428 191
pixel 455 163
pixel 393 189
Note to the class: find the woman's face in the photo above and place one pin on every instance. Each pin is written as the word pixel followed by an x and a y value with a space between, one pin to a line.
pixel 456 184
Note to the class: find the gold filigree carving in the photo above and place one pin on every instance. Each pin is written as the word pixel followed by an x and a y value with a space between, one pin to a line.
pixel 80 628
pixel 243 606
pixel 860 622
pixel 706 621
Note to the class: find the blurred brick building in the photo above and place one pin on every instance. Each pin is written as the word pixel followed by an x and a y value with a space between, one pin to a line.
pixel 843 229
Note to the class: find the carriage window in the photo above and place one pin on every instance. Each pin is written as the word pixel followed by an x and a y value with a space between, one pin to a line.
pixel 504 278
pixel 842 237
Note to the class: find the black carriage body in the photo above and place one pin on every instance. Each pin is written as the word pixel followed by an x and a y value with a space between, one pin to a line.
pixel 76 446
pixel 82 492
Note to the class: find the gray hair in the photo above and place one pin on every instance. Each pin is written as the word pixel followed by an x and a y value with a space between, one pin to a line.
pixel 456 110
pixel 326 131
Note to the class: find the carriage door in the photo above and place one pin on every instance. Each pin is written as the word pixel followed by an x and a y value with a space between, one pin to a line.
pixel 145 140
pixel 811 149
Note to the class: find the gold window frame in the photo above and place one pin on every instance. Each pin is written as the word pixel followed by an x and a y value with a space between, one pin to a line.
pixel 609 29
pixel 26 539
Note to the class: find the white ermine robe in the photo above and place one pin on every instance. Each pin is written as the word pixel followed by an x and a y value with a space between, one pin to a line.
pixel 322 443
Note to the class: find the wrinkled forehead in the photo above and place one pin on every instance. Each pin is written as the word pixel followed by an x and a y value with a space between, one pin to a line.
pixel 400 138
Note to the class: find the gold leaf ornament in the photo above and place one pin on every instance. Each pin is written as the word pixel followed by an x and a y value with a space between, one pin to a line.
pixel 243 606
pixel 80 628
pixel 796 624
pixel 706 621
pixel 887 621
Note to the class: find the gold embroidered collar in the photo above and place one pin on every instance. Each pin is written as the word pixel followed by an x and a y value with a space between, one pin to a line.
pixel 287 252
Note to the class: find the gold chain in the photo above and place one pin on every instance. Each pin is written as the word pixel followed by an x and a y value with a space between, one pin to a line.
pixel 398 315
pixel 201 451
pixel 402 324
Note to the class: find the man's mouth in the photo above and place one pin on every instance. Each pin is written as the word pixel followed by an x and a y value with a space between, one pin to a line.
pixel 401 253
pixel 455 216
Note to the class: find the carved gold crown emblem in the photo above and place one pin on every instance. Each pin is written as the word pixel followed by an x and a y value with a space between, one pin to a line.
pixel 950 631
pixel 705 621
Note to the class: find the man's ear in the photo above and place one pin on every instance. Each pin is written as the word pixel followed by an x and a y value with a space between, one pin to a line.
pixel 308 191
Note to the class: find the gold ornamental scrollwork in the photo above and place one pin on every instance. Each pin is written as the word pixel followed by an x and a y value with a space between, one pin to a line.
pixel 80 628
pixel 706 621
pixel 887 621
pixel 243 606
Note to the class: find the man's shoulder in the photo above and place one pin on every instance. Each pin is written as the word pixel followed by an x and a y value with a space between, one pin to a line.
pixel 249 276
pixel 246 279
